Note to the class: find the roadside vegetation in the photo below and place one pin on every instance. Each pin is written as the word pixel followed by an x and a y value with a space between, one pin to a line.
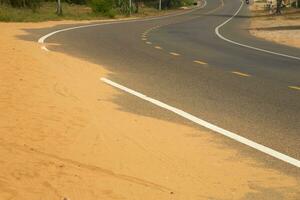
pixel 43 10
pixel 275 7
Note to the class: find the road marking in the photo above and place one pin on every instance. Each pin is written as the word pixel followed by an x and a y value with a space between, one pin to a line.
pixel 294 87
pixel 148 42
pixel 44 48
pixel 200 62
pixel 241 74
pixel 42 39
pixel 144 39
pixel 217 31
pixel 208 125
pixel 174 54
pixel 157 47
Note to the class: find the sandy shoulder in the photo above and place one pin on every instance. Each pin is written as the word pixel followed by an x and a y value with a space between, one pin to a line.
pixel 280 29
pixel 62 137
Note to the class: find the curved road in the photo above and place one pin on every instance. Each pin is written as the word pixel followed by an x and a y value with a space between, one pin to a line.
pixel 181 61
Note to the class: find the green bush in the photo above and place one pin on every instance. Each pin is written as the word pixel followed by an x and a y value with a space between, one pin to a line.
pixel 175 3
pixel 123 7
pixel 102 6
pixel 79 2
pixel 34 4
pixel 188 2
pixel 294 4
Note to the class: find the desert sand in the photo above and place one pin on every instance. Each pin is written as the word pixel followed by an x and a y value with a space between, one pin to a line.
pixel 63 137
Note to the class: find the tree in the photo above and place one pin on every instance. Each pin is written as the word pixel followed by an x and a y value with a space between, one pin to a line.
pixel 59 8
pixel 278 7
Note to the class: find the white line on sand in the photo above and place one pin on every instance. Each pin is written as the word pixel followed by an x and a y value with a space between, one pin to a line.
pixel 294 87
pixel 174 54
pixel 217 31
pixel 208 125
pixel 241 74
pixel 200 62
pixel 44 48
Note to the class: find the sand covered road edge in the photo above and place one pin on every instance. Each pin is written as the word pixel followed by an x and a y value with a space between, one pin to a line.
pixel 62 136
pixel 280 29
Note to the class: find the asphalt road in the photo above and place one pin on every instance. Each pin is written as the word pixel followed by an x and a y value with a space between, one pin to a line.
pixel 255 101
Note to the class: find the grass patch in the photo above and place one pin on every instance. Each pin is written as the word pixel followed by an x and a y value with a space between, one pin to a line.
pixel 148 11
pixel 47 12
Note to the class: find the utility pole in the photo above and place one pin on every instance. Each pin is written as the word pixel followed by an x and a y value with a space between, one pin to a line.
pixel 159 6
pixel 59 8
pixel 130 5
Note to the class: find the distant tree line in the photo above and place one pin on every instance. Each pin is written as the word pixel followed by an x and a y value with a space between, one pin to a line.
pixel 122 6
pixel 107 7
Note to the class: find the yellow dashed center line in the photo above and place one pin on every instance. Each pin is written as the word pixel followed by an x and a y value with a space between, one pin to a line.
pixel 241 74
pixel 148 42
pixel 174 54
pixel 200 62
pixel 144 39
pixel 294 87
pixel 157 47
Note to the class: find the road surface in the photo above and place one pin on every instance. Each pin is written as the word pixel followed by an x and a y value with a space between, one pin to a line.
pixel 181 61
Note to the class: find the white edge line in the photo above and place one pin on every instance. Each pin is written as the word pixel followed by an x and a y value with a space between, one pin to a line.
pixel 208 125
pixel 217 31
pixel 44 48
pixel 174 54
pixel 43 38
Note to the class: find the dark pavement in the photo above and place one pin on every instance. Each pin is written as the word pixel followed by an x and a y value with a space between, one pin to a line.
pixel 260 107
